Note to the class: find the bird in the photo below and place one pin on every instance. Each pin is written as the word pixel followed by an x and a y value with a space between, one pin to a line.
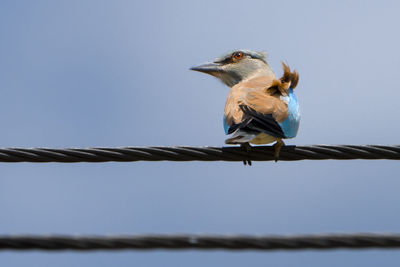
pixel 260 108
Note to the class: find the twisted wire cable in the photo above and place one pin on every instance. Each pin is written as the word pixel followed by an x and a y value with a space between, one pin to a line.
pixel 202 242
pixel 186 153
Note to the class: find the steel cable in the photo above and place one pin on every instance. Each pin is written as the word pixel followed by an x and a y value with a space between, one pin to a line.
pixel 185 153
pixel 202 242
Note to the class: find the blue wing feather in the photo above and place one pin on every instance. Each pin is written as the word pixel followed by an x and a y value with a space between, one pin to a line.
pixel 226 126
pixel 290 126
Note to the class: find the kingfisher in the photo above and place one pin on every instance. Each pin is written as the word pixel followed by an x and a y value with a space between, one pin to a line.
pixel 260 108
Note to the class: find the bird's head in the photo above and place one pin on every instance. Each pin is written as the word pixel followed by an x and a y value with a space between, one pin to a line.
pixel 237 66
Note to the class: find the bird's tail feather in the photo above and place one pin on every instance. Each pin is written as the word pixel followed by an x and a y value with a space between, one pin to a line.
pixel 240 137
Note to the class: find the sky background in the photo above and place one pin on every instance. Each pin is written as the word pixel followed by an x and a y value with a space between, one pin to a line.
pixel 116 73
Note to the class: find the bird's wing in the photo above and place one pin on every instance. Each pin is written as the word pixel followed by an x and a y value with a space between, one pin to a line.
pixel 253 107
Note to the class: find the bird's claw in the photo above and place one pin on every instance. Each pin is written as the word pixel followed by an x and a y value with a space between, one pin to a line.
pixel 277 149
pixel 246 147
pixel 247 162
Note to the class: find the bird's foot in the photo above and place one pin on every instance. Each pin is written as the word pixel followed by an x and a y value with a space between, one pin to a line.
pixel 277 148
pixel 246 147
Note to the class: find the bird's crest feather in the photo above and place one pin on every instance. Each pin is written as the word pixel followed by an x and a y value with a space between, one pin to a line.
pixel 254 54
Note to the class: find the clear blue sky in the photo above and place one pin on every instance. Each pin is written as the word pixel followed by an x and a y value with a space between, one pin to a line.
pixel 115 73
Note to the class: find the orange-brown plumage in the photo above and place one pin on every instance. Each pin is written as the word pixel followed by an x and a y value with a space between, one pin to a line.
pixel 262 94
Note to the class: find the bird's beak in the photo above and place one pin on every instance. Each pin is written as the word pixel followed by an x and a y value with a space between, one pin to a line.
pixel 209 68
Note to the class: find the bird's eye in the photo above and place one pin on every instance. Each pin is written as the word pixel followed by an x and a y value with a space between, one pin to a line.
pixel 238 55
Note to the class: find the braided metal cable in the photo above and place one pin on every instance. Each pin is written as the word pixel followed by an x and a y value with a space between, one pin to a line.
pixel 185 153
pixel 203 242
